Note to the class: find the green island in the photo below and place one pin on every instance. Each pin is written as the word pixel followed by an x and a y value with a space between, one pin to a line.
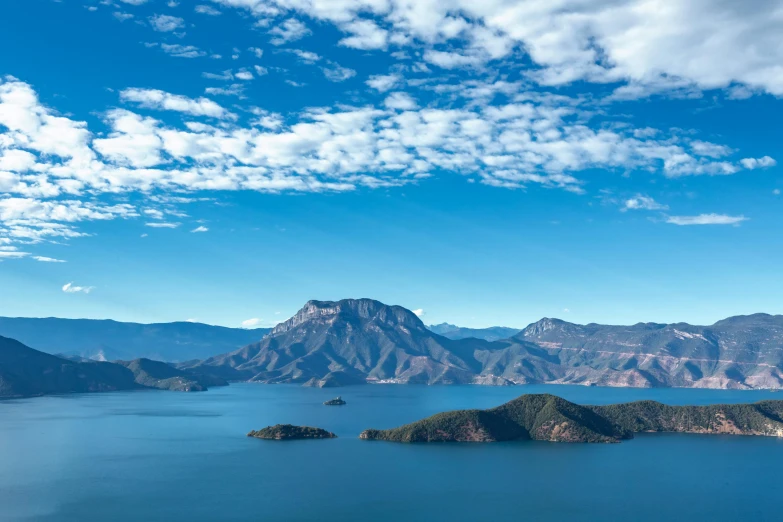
pixel 291 432
pixel 337 401
pixel 549 418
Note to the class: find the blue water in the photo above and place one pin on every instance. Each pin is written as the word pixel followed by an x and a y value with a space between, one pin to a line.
pixel 167 456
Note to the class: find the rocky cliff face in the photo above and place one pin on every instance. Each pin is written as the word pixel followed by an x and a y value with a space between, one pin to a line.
pixel 362 340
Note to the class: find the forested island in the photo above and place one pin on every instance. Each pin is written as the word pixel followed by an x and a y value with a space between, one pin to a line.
pixel 291 432
pixel 549 418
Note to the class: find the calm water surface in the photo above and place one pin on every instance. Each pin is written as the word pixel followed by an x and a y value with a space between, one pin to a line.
pixel 170 456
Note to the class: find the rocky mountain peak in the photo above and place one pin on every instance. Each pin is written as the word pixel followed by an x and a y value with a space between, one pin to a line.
pixel 542 326
pixel 364 309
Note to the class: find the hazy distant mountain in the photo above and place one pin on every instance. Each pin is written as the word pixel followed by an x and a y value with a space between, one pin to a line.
pixel 110 340
pixel 493 333
pixel 356 340
pixel 25 372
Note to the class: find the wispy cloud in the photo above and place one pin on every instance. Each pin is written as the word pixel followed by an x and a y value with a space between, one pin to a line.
pixel 200 229
pixel 44 259
pixel 640 202
pixel 706 219
pixel 70 288
pixel 252 323
pixel 161 100
pixel 162 225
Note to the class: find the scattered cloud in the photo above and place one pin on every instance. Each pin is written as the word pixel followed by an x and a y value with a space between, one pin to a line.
pixel 207 10
pixel 640 202
pixel 166 23
pixel 161 100
pixel 70 288
pixel 337 73
pixel 364 34
pixel 419 312
pixel 200 229
pixel 162 225
pixel 252 323
pixel 758 163
pixel 288 31
pixel 776 192
pixel 706 219
pixel 258 52
pixel 178 50
pixel 44 259
pixel 383 83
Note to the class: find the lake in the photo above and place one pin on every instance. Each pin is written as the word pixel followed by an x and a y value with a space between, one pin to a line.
pixel 155 455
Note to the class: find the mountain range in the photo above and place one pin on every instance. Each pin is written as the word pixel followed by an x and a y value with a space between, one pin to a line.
pixel 332 343
pixel 492 333
pixel 112 340
pixel 358 341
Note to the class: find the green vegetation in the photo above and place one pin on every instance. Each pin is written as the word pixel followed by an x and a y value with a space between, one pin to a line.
pixel 550 418
pixel 156 374
pixel 291 432
pixel 337 401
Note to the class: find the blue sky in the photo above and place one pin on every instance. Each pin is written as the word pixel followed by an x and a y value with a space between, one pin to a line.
pixel 227 160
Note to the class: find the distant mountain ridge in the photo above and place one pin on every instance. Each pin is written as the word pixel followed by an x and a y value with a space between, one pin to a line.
pixel 25 372
pixel 492 333
pixel 112 340
pixel 362 340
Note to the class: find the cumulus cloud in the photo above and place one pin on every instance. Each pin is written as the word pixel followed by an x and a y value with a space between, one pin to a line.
pixel 288 31
pixel 252 323
pixel 384 82
pixel 571 40
pixel 758 163
pixel 70 288
pixel 166 23
pixel 419 312
pixel 337 73
pixel 706 219
pixel 161 100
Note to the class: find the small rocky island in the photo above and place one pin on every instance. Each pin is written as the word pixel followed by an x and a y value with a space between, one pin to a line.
pixel 291 432
pixel 337 401
pixel 549 418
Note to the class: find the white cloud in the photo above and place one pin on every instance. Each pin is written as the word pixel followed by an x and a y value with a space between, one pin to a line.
pixel 640 202
pixel 419 312
pixel 244 75
pixel 400 101
pixel 134 2
pixel 207 10
pixel 632 41
pixel 166 23
pixel 365 34
pixel 252 323
pixel 162 225
pixel 758 163
pixel 306 56
pixel 706 219
pixel 179 51
pixel 161 100
pixel 776 192
pixel 259 53
pixel 70 288
pixel 383 83
pixel 48 259
pixel 337 73
pixel 200 229
pixel 289 31
pixel 122 16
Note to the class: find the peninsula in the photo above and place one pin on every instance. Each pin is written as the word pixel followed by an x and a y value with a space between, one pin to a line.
pixel 549 418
